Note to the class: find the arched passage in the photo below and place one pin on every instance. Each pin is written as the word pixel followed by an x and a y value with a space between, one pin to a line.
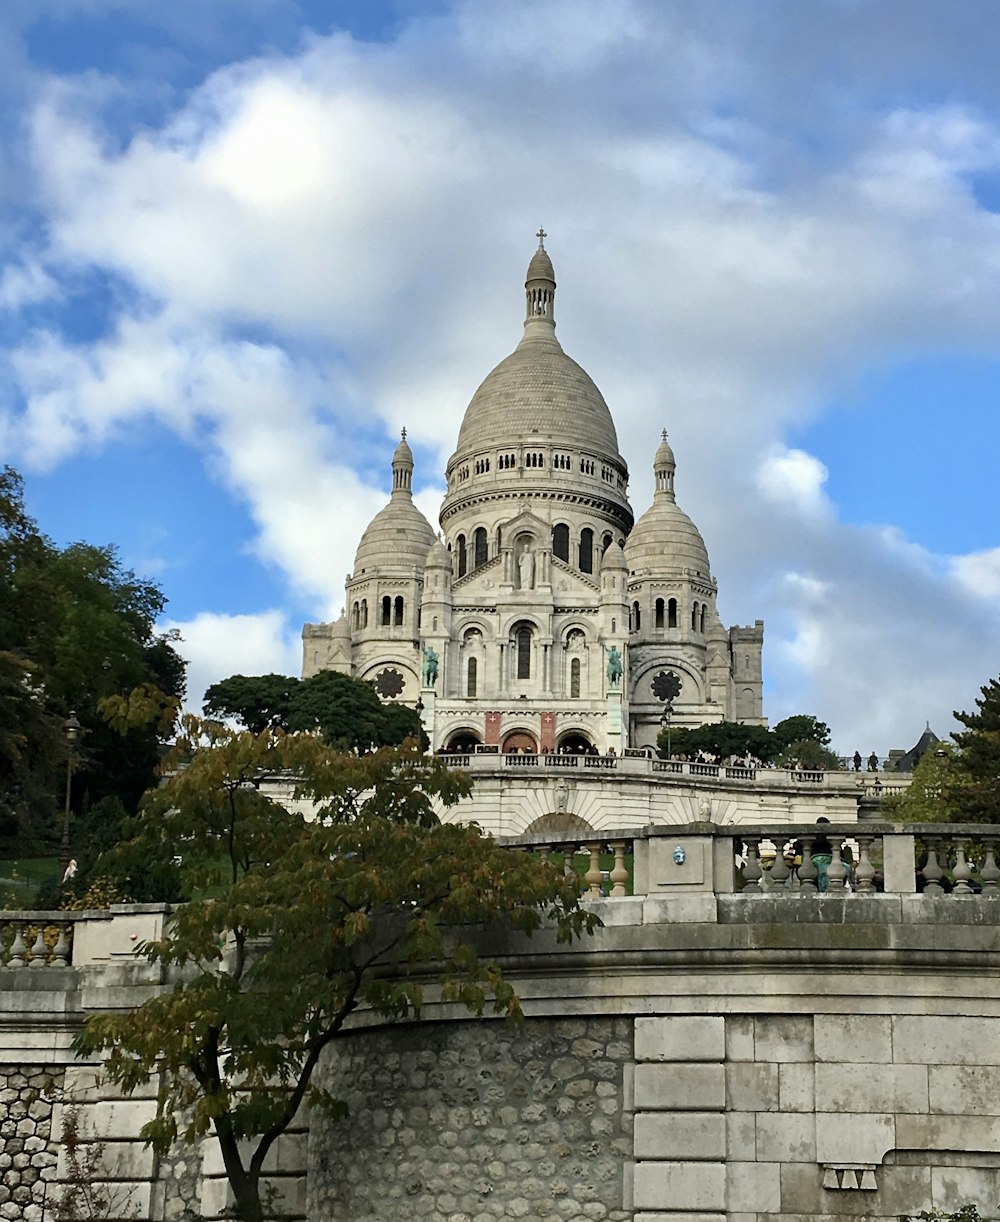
pixel 575 742
pixel 463 742
pixel 520 741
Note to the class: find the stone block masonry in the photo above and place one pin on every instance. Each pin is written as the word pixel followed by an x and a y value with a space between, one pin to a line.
pixel 475 1121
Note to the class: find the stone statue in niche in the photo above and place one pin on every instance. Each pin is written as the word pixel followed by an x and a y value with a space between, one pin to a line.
pixel 614 666
pixel 526 569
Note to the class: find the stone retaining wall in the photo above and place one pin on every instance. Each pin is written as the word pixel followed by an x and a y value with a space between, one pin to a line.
pixel 475 1121
pixel 28 1155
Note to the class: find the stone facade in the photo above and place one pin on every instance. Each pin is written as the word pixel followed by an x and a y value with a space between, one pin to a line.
pixel 539 574
pixel 472 1122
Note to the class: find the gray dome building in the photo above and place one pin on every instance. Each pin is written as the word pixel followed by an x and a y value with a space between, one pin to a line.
pixel 542 620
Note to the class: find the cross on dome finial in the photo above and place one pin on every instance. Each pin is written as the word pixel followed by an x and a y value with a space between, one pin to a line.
pixel 404 433
pixel 663 434
pixel 541 235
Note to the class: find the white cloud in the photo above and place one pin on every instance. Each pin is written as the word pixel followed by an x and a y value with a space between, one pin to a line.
pixel 795 479
pixel 217 646
pixel 364 213
pixel 979 572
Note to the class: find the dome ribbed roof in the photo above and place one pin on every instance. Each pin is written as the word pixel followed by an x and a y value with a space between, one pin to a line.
pixel 665 540
pixel 399 536
pixel 538 391
pixel 438 557
pixel 540 267
pixel 613 558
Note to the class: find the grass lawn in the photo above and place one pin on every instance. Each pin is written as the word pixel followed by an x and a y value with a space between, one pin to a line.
pixel 20 877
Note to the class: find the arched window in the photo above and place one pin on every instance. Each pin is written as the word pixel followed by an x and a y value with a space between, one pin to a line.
pixel 386 611
pixel 356 617
pixel 574 678
pixel 694 617
pixel 606 541
pixel 479 546
pixel 636 618
pixel 560 541
pixel 701 618
pixel 462 557
pixel 522 640
pixel 397 611
pixel 364 613
pixel 473 669
pixel 672 613
pixel 586 550
pixel 659 613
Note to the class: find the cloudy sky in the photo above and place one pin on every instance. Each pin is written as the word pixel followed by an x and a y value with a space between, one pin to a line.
pixel 243 243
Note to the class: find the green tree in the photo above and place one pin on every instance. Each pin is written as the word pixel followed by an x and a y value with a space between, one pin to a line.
pixel 257 702
pixel 973 788
pixel 720 739
pixel 807 753
pixel 799 728
pixel 309 922
pixel 933 794
pixel 80 627
pixel 347 711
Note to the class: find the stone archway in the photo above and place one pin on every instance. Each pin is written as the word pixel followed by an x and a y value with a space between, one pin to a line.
pixel 520 742
pixel 463 742
pixel 575 742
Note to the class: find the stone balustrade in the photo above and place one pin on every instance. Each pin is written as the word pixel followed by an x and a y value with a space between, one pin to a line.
pixel 36 939
pixel 636 762
pixel 864 859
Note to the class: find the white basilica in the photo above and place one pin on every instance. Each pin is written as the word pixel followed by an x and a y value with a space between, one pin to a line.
pixel 543 619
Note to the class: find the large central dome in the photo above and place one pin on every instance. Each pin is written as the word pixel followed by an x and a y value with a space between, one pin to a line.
pixel 538 393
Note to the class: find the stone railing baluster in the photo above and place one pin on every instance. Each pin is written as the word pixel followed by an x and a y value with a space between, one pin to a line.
pixel 989 872
pixel 39 951
pixel 932 870
pixel 752 873
pixel 836 871
pixel 593 875
pixel 61 950
pixel 779 872
pixel 619 874
pixel 18 950
pixel 961 874
pixel 864 871
pixel 808 874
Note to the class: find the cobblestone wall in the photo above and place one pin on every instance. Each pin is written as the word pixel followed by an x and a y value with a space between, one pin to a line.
pixel 474 1121
pixel 27 1152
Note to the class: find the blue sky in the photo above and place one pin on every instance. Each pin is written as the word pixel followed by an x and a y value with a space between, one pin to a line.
pixel 242 244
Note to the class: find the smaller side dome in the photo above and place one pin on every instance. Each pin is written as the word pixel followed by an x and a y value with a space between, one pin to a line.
pixel 665 540
pixel 399 536
pixel 613 558
pixel 340 629
pixel 437 557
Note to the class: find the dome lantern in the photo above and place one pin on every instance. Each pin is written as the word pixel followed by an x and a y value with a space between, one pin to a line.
pixel 402 467
pixel 664 468
pixel 539 293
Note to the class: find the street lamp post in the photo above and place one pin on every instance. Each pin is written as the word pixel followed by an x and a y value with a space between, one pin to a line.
pixel 71 729
pixel 665 718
